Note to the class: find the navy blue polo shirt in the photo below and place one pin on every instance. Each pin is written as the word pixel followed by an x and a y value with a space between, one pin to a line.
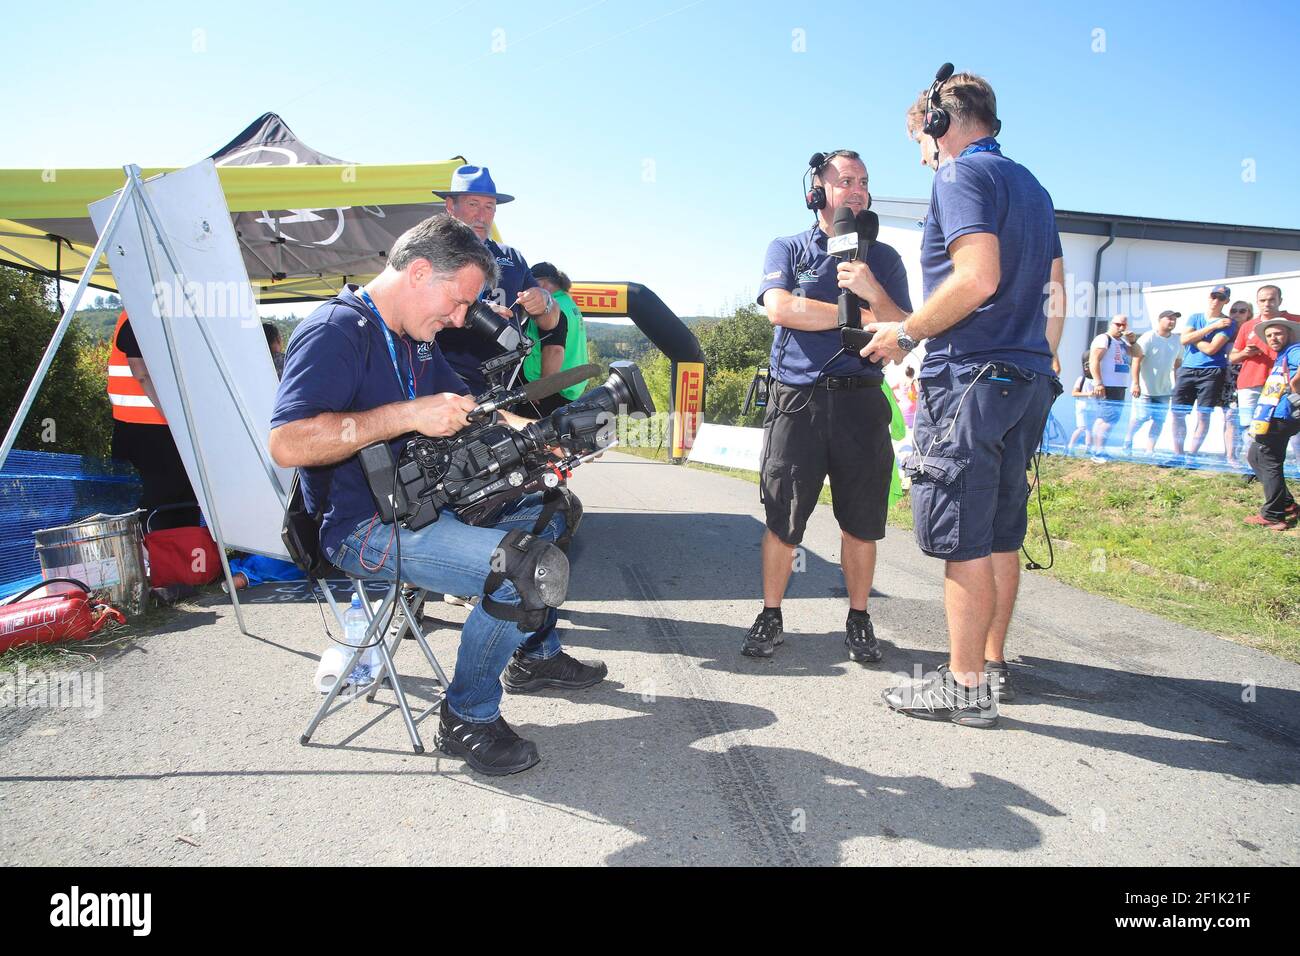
pixel 338 361
pixel 983 191
pixel 466 350
pixel 800 262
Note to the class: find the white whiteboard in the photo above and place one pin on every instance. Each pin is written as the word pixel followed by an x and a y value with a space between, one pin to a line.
pixel 192 210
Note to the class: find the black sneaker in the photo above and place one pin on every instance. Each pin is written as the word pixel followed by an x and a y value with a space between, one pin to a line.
pixel 940 697
pixel 998 674
pixel 860 637
pixel 522 675
pixel 763 636
pixel 493 749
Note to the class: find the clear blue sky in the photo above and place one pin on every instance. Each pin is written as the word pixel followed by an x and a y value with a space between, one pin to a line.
pixel 587 94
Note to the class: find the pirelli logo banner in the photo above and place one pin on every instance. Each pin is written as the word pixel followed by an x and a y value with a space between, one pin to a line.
pixel 688 406
pixel 600 298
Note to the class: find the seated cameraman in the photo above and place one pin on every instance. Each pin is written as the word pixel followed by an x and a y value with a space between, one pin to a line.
pixel 364 368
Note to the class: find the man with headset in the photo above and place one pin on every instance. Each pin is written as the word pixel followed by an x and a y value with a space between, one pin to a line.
pixel 827 413
pixel 993 315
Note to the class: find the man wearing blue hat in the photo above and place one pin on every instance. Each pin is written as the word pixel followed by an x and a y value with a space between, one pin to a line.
pixel 473 199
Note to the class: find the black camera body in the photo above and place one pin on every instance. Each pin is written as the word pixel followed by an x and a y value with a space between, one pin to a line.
pixel 482 468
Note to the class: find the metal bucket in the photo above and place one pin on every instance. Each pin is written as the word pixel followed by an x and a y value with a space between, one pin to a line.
pixel 104 551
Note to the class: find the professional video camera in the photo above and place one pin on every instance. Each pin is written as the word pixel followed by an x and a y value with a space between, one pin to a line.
pixel 480 469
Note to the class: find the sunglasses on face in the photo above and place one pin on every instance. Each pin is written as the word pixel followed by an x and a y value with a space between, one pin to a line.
pixel 1239 310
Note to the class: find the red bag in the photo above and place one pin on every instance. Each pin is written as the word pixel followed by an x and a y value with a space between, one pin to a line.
pixel 181 556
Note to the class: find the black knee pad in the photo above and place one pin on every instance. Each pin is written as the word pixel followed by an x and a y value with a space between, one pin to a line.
pixel 538 570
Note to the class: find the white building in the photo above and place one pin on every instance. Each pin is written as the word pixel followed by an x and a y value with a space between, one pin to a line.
pixel 1139 266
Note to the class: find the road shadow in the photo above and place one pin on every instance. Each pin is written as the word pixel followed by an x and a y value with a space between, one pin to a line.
pixel 784 806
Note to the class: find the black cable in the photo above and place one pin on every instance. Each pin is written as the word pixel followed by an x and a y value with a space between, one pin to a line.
pixel 773 400
pixel 1037 488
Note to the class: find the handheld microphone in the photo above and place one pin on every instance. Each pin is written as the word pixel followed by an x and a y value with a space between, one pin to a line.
pixel 868 228
pixel 845 246
pixel 544 387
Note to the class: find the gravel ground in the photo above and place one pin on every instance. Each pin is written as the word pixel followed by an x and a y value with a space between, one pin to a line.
pixel 1137 741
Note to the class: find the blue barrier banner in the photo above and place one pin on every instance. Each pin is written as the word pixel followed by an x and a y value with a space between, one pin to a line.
pixel 1152 432
pixel 40 490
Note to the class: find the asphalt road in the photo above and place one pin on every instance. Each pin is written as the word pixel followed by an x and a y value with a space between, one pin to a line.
pixel 1137 741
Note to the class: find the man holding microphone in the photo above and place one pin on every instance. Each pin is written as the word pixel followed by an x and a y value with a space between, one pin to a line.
pixel 993 315
pixel 827 414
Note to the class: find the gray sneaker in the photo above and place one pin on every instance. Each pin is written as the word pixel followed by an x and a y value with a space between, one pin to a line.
pixel 940 697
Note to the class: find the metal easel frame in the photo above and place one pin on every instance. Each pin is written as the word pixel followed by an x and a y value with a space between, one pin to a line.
pixel 133 192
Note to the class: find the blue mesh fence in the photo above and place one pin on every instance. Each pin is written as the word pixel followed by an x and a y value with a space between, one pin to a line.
pixel 1143 432
pixel 41 490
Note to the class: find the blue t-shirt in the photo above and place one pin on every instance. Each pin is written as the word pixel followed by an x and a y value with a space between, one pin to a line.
pixel 467 350
pixel 1288 362
pixel 1194 357
pixel 983 191
pixel 338 361
pixel 800 262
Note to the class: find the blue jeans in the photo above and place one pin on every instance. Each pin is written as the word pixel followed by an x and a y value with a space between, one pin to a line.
pixel 452 557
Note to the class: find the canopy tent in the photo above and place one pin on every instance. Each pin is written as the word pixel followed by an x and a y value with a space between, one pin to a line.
pixel 340 222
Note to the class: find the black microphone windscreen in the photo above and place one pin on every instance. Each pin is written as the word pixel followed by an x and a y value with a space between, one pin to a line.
pixel 844 222
pixel 944 73
pixel 550 385
pixel 868 226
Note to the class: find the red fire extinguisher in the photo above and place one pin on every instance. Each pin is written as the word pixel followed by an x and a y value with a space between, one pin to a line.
pixel 67 616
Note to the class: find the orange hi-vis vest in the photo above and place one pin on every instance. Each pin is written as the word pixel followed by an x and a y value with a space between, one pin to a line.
pixel 130 403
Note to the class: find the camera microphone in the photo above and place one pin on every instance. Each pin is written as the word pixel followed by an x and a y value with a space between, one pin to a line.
pixel 483 321
pixel 544 387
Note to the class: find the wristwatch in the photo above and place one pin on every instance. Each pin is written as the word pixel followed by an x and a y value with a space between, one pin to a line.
pixel 905 341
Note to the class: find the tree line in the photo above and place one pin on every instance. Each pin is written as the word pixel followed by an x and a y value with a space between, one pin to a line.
pixel 72 414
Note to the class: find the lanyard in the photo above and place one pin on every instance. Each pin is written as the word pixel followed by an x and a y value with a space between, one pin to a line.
pixel 392 349
pixel 991 146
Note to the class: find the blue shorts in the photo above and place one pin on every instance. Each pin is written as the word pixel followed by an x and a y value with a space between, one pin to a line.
pixel 969 487
pixel 1153 409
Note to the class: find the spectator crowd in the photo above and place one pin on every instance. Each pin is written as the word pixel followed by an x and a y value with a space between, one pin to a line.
pixel 1234 356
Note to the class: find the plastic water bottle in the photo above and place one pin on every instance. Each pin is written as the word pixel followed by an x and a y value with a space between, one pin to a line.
pixel 354 633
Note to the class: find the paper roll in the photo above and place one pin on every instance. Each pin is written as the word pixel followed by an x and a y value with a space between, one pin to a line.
pixel 331 666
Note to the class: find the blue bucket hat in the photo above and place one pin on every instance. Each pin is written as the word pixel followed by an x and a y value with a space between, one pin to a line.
pixel 473 181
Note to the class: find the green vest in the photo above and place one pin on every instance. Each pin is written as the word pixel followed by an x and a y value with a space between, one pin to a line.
pixel 575 345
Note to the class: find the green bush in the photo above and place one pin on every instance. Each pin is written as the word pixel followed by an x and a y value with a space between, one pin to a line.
pixel 71 412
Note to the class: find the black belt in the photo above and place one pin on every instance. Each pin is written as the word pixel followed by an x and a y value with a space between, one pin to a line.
pixel 836 382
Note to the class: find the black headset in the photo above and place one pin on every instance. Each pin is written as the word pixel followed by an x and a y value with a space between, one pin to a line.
pixel 937 120
pixel 815 198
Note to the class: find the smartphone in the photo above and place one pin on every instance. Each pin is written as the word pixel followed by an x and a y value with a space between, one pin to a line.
pixel 856 339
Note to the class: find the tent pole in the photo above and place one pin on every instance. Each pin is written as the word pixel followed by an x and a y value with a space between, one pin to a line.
pixel 58 272
pixel 48 359
pixel 226 377
pixel 142 216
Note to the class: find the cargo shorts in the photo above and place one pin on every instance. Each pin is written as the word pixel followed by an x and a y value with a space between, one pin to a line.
pixel 977 427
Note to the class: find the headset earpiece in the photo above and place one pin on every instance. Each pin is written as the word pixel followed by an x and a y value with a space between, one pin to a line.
pixel 814 198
